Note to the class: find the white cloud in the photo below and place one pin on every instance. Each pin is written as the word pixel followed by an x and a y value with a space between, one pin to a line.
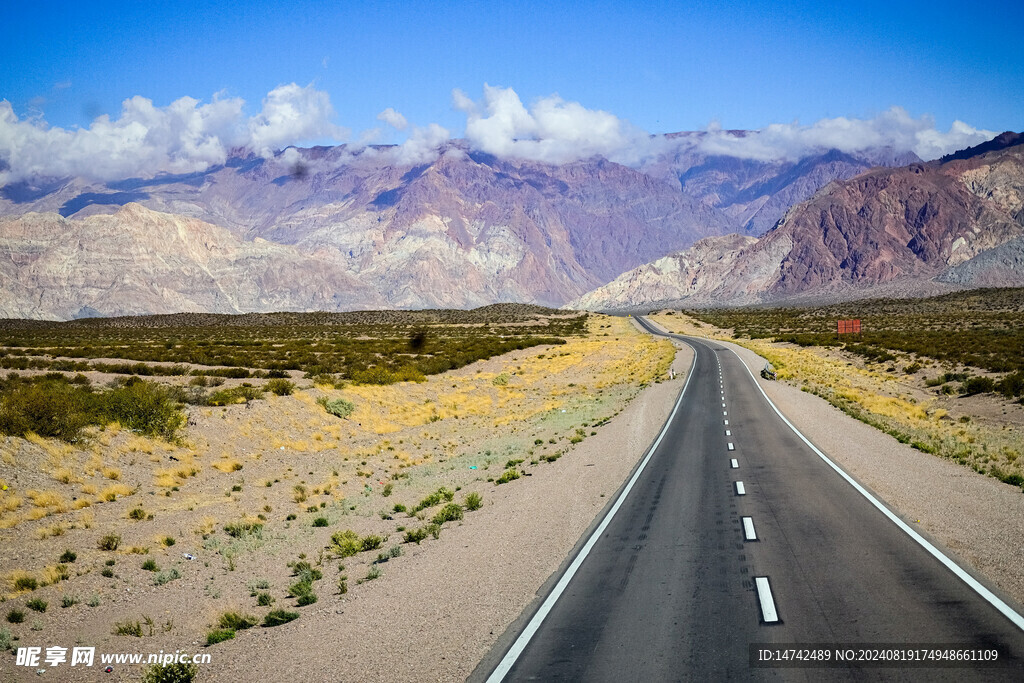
pixel 292 113
pixel 893 128
pixel 393 119
pixel 183 137
pixel 421 147
pixel 551 130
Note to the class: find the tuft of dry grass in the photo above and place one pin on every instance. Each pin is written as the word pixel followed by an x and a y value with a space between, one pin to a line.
pixel 112 492
pixel 113 473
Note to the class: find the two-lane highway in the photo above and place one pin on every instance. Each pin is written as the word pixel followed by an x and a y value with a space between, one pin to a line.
pixel 735 532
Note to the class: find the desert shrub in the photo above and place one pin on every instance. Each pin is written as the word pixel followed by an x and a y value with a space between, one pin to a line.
pixel 264 599
pixel 243 528
pixel 236 621
pixel 37 604
pixel 51 409
pixel 346 543
pixel 226 397
pixel 137 514
pixel 68 601
pixel 507 476
pixel 370 543
pixel 320 521
pixel 977 385
pixel 449 513
pixel 219 635
pixel 68 557
pixel 912 368
pixel 279 616
pixel 1012 385
pixel 416 535
pixel 281 387
pixel 150 565
pixel 500 380
pixel 128 628
pixel 441 495
pixel 338 407
pixel 109 542
pixel 6 640
pixel 15 616
pixel 24 582
pixel 144 407
pixel 473 501
pixel 166 577
pixel 180 672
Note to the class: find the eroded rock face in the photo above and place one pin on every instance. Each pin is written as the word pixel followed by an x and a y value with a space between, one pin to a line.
pixel 901 231
pixel 464 230
pixel 140 261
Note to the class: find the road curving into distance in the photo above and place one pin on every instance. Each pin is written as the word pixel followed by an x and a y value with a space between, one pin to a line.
pixel 736 540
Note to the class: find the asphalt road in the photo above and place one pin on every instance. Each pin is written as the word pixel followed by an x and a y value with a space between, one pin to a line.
pixel 737 534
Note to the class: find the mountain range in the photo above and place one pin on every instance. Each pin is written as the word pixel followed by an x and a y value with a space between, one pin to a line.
pixel 919 229
pixel 341 228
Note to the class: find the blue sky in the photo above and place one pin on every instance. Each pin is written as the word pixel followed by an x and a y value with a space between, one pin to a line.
pixel 661 66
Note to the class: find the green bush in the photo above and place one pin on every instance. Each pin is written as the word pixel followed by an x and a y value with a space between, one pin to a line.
pixel 110 542
pixel 170 673
pixel 346 543
pixel 37 604
pixel 338 407
pixel 25 583
pixel 219 635
pixel 150 565
pixel 279 616
pixel 15 616
pixel 236 621
pixel 370 543
pixel 320 522
pixel 978 385
pixel 243 528
pixel 128 628
pixel 68 557
pixel 280 387
pixel 439 496
pixel 473 501
pixel 449 513
pixel 507 476
pixel 416 535
pixel 143 407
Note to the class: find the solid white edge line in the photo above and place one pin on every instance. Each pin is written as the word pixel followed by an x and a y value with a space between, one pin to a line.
pixel 974 584
pixel 734 463
pixel 740 491
pixel 748 529
pixel 764 596
pixel 510 658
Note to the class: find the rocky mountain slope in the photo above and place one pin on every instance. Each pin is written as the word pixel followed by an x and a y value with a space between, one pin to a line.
pixel 363 228
pixel 139 261
pixel 911 230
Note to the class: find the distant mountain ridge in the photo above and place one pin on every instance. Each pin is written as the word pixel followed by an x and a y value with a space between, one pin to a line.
pixel 914 230
pixel 459 229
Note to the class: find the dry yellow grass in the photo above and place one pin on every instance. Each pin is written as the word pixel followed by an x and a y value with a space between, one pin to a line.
pixel 112 473
pixel 227 464
pixel 46 532
pixel 112 492
pixel 47 499
pixel 17 576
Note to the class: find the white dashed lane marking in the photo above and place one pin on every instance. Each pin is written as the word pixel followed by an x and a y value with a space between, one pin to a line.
pixel 740 491
pixel 764 596
pixel 731 447
pixel 748 529
pixel 734 464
